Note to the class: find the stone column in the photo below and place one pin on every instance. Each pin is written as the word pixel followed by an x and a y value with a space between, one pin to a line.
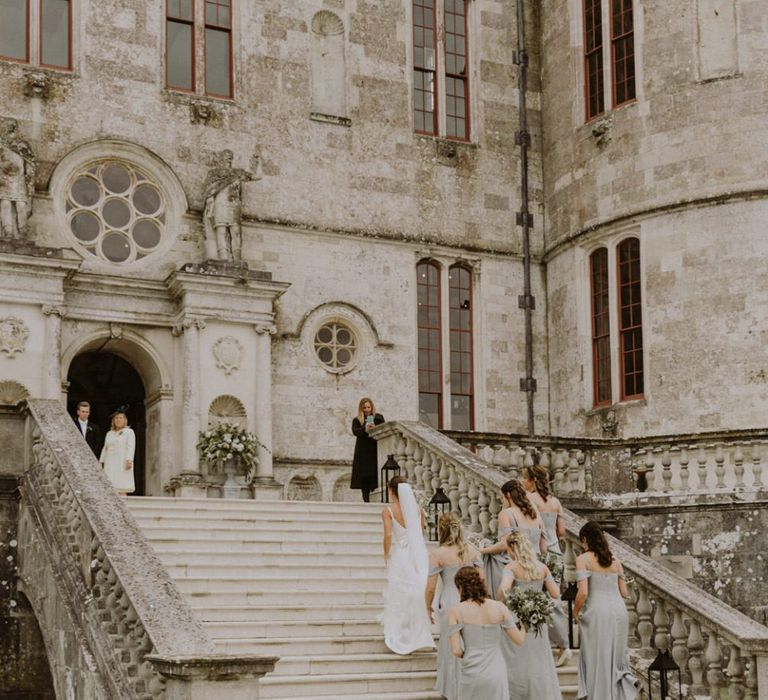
pixel 52 352
pixel 264 484
pixel 190 482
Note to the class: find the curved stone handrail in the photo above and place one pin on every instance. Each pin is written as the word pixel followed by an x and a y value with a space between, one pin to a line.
pixel 129 613
pixel 666 611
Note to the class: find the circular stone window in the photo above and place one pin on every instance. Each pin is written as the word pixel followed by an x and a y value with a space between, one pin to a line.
pixel 336 346
pixel 115 211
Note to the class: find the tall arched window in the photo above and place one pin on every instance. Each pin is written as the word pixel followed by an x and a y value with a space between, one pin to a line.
pixel 601 340
pixel 630 319
pixel 462 380
pixel 429 330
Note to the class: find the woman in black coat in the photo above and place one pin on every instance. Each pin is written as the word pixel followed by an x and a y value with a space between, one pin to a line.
pixel 365 464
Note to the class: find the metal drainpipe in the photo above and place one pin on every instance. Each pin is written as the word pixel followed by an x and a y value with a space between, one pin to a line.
pixel 524 218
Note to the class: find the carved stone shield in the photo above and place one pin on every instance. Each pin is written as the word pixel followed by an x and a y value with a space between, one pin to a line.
pixel 13 335
pixel 228 353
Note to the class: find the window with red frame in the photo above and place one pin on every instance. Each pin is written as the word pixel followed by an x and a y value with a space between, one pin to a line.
pixel 54 32
pixel 622 51
pixel 593 58
pixel 218 48
pixel 462 384
pixel 601 340
pixel 180 44
pixel 429 345
pixel 630 319
pixel 424 67
pixel 456 77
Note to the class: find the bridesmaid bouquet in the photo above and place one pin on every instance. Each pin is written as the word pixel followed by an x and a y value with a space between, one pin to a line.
pixel 554 564
pixel 533 608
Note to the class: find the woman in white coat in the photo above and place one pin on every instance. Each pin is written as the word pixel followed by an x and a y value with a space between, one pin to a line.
pixel 118 452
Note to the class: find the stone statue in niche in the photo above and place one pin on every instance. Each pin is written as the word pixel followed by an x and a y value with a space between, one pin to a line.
pixel 17 181
pixel 223 204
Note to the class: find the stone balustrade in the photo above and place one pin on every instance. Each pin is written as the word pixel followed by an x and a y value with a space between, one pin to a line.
pixel 705 463
pixel 722 653
pixel 116 608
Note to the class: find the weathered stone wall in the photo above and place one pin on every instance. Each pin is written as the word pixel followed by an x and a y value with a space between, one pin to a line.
pixel 682 167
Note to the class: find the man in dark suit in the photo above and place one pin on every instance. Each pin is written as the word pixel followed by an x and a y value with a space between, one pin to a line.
pixel 90 431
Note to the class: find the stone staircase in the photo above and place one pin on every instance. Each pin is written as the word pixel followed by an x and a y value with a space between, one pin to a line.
pixel 295 579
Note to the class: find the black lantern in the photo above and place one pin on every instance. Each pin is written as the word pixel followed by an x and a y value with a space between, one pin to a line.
pixel 390 469
pixel 439 504
pixel 661 668
pixel 570 596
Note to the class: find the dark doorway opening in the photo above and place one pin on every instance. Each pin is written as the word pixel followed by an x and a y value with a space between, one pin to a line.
pixel 107 381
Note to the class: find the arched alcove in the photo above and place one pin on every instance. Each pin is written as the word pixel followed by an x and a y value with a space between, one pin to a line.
pixel 328 66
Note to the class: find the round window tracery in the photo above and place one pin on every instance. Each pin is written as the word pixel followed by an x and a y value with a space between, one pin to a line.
pixel 115 211
pixel 336 346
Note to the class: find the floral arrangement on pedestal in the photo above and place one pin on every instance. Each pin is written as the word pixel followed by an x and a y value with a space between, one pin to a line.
pixel 226 442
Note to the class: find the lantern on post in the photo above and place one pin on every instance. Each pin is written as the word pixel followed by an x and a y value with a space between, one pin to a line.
pixel 570 596
pixel 438 505
pixel 660 671
pixel 391 468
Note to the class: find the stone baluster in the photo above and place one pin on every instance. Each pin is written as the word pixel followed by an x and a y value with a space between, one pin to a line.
pixel 757 466
pixel 661 625
pixel 501 458
pixel 696 661
pixel 720 466
pixel 494 508
pixel 474 508
pixel 714 657
pixel 752 680
pixel 426 473
pixel 679 641
pixel 528 460
pixel 738 466
pixel 631 602
pixel 735 673
pixel 666 470
pixel 418 464
pixel 653 464
pixel 441 477
pixel 573 472
pixel 408 463
pixel 453 489
pixel 644 623
pixel 684 476
pixel 545 461
pixel 483 501
pixel 558 466
pixel 569 561
pixel 514 461
pixel 587 467
pixel 464 497
pixel 701 459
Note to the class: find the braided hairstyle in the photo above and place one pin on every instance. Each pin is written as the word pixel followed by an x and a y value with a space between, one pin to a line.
pixel 470 585
pixel 514 490
pixel 450 532
pixel 540 478
pixel 521 551
pixel 597 543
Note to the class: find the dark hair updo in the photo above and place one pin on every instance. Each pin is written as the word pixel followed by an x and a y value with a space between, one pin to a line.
pixel 470 585
pixel 540 478
pixel 515 491
pixel 597 543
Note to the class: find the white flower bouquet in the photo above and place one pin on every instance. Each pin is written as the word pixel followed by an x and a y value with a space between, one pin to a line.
pixel 554 564
pixel 533 608
pixel 227 441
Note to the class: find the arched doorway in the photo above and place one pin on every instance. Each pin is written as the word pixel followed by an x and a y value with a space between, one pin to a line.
pixel 107 381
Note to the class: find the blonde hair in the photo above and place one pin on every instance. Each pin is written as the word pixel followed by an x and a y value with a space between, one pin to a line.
pixel 115 415
pixel 450 532
pixel 360 414
pixel 521 550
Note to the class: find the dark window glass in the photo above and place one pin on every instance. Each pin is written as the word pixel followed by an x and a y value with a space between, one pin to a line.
pixel 630 319
pixel 593 58
pixel 55 33
pixel 623 50
pixel 462 381
pixel 14 29
pixel 424 67
pixel 218 48
pixel 430 371
pixel 601 343
pixel 180 45
pixel 456 77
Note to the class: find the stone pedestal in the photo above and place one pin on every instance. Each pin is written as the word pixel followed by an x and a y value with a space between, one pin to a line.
pixel 266 489
pixel 187 485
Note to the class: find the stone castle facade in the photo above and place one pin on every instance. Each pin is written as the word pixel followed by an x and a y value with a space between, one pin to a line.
pixel 263 255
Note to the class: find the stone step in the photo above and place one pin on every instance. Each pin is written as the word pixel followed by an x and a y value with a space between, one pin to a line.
pixel 281 612
pixel 278 629
pixel 323 665
pixel 327 517
pixel 313 559
pixel 295 569
pixel 306 646
pixel 290 586
pixel 167 505
pixel 336 685
pixel 329 596
pixel 248 524
pixel 258 547
pixel 220 533
pixel 423 695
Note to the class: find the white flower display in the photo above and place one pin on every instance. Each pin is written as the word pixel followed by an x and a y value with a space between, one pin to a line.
pixel 225 441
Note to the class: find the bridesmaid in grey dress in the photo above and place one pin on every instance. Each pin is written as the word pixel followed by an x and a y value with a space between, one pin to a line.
pixel 603 621
pixel 521 515
pixel 453 553
pixel 530 669
pixel 476 626
pixel 536 483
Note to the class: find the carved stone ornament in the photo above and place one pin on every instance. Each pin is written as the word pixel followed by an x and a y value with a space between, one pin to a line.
pixel 12 392
pixel 13 335
pixel 37 84
pixel 228 353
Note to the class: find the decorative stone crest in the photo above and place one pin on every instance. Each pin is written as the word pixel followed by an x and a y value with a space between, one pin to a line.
pixel 37 84
pixel 12 392
pixel 228 353
pixel 13 335
pixel 201 111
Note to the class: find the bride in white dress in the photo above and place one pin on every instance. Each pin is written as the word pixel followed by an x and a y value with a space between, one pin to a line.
pixel 405 619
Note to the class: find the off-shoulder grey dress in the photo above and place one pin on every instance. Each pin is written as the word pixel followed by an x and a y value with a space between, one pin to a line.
pixel 558 629
pixel 603 665
pixel 493 564
pixel 531 670
pixel 483 676
pixel 448 666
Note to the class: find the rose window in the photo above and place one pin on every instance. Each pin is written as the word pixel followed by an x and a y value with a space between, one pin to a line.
pixel 116 212
pixel 336 346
